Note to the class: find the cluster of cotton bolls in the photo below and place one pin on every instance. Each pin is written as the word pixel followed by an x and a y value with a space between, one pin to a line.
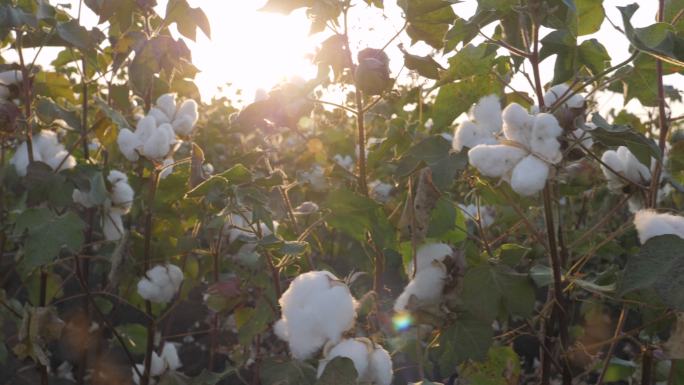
pixel 46 149
pixel 155 134
pixel 483 126
pixel 651 224
pixel 372 362
pixel 425 288
pixel 317 309
pixel 621 167
pixel 160 283
pixel 7 79
pixel 117 204
pixel 168 360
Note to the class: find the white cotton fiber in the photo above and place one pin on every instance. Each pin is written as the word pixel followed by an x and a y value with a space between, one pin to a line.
pixel 46 149
pixel 11 77
pixel 160 283
pixel 128 144
pixel 121 194
pixel 380 191
pixel 517 124
pixel 186 117
pixel 344 161
pixel 426 287
pixel 169 356
pixel 428 253
pixel 316 308
pixel 112 226
pixel 495 160
pixel 487 114
pixel 529 176
pixel 82 198
pixel 354 349
pixel 380 367
pixel 651 224
pixel 626 164
pixel 167 104
pixel 156 147
pixel 562 91
pixel 486 213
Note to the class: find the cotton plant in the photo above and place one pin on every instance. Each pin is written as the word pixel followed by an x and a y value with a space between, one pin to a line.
pixel 344 161
pixel 620 167
pixel 372 362
pixel 160 283
pixel 117 204
pixel 167 361
pixel 380 191
pixel 315 178
pixel 425 288
pixel 317 308
pixel 240 226
pixel 155 135
pixel 46 149
pixel 482 127
pixel 524 156
pixel 650 224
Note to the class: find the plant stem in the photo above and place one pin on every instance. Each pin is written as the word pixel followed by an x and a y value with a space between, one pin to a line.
pixel 26 88
pixel 662 122
pixel 611 349
pixel 362 143
pixel 41 303
pixel 151 326
pixel 646 366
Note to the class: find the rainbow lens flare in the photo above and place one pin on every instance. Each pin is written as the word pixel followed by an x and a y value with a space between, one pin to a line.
pixel 402 321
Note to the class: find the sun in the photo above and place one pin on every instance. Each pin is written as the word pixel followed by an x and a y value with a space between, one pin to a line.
pixel 251 49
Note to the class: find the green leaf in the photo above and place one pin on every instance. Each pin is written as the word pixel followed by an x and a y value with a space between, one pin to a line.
pixel 187 19
pixel 425 65
pixel 435 152
pixel 211 378
pixel 53 85
pixel 658 40
pixel 339 371
pixel 355 215
pixel 77 36
pixel 47 234
pixel 135 337
pixel 639 81
pixel 658 265
pixel 447 222
pixel 502 365
pixel 258 320
pixel 642 147
pixel 489 288
pixel 48 111
pixel 468 338
pixel 428 20
pixel 273 371
pixel 453 99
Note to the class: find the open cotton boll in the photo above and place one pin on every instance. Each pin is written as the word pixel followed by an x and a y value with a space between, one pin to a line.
pixel 146 128
pixel 380 191
pixel 379 369
pixel 157 146
pixel 529 176
pixel 517 124
pixel 20 159
pixel 562 90
pixel 651 224
pixel 428 253
pixel 495 160
pixel 11 77
pixel 626 164
pixel 426 287
pixel 167 104
pixel 186 117
pixel 167 167
pixel 354 349
pixel 122 193
pixel 487 114
pixel 469 134
pixel 160 283
pixel 128 144
pixel 632 168
pixel 344 161
pixel 112 226
pixel 158 115
pixel 47 143
pixel 84 199
pixel 316 308
pixel 183 125
pixel 61 161
pixel 169 355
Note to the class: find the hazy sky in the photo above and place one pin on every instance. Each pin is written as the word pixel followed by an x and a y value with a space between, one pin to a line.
pixel 252 49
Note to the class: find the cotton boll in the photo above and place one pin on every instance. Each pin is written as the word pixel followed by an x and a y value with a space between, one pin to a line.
pixel 61 161
pixel 306 208
pixel 495 160
pixel 146 128
pixel 128 144
pixel 547 148
pixel 280 329
pixel 632 168
pixel 188 109
pixel 84 199
pixel 380 367
pixel 156 147
pixel 20 159
pixel 517 124
pixel 380 191
pixel 562 91
pixel 353 349
pixel 11 77
pixel 316 308
pixel 486 214
pixel 122 194
pixel 426 287
pixel 147 289
pixel 46 144
pixel 157 368
pixel 344 161
pixel 158 115
pixel 650 224
pixel 170 357
pixel 583 136
pixel 611 159
pixel 430 252
pixel 183 125
pixel 175 275
pixel 167 103
pixel 160 283
pixel 468 134
pixel 487 114
pixel 112 226
pixel 546 125
pixel 529 176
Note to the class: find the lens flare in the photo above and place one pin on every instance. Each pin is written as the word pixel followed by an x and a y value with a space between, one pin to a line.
pixel 402 321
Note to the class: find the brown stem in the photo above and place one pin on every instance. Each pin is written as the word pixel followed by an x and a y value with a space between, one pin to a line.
pixel 611 349
pixel 362 143
pixel 151 327
pixel 646 366
pixel 41 303
pixel 84 113
pixel 26 88
pixel 662 122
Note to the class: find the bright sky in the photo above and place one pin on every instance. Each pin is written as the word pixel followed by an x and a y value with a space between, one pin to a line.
pixel 252 49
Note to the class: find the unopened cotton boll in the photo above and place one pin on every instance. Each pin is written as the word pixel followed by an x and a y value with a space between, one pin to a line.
pixel 651 224
pixel 529 176
pixel 316 308
pixel 160 283
pixel 495 160
pixel 517 124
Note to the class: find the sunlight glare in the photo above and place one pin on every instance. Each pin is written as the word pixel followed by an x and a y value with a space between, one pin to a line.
pixel 402 321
